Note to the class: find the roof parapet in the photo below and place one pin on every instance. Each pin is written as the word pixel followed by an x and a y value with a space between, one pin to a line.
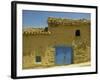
pixel 36 33
pixel 63 21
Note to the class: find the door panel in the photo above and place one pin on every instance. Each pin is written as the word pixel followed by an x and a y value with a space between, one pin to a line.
pixel 68 55
pixel 59 56
pixel 63 55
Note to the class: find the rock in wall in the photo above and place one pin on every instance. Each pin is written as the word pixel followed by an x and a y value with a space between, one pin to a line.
pixel 81 51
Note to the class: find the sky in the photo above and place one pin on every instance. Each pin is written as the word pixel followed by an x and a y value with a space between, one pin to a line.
pixel 38 19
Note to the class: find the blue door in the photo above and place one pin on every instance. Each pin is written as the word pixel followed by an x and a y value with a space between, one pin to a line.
pixel 63 55
pixel 59 56
pixel 68 55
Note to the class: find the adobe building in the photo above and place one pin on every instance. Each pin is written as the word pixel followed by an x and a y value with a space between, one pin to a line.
pixel 63 42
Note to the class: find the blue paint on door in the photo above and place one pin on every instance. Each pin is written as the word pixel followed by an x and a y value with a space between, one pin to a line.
pixel 59 56
pixel 63 55
pixel 68 55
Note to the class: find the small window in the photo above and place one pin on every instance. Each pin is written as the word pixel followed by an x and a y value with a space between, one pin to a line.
pixel 77 33
pixel 46 29
pixel 38 59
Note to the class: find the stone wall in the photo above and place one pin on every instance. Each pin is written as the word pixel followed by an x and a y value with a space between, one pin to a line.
pixel 47 59
pixel 81 51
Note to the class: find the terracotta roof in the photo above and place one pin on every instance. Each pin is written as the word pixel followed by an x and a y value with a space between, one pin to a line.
pixel 35 31
pixel 63 21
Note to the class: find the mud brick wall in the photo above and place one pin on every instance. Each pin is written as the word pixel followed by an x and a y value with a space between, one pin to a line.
pixel 47 60
pixel 29 61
